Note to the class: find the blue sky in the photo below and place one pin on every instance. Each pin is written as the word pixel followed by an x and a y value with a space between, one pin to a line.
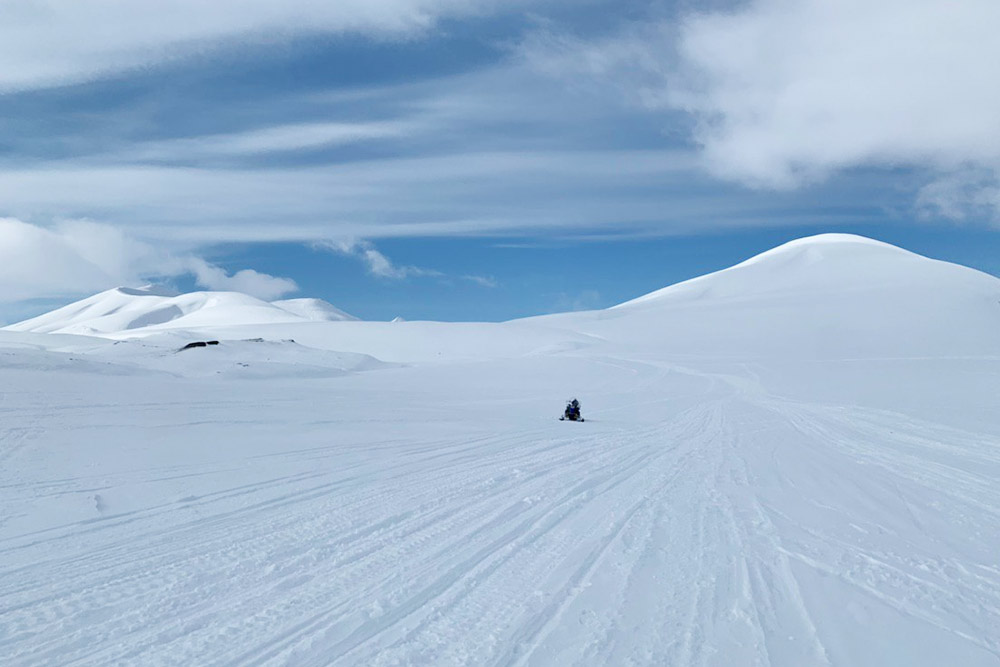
pixel 471 159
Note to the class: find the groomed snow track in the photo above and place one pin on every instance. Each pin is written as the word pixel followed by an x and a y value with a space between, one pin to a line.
pixel 696 518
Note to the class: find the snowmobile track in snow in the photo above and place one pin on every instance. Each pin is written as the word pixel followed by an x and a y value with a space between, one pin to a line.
pixel 731 527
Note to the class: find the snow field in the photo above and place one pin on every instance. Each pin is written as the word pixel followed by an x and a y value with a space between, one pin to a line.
pixel 792 462
pixel 713 523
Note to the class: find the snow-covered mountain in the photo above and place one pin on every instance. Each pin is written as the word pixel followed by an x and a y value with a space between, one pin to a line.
pixel 822 266
pixel 314 310
pixel 827 296
pixel 126 309
pixel 820 297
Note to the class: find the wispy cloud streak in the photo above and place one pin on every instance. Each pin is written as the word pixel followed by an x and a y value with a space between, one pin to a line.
pixel 53 43
pixel 377 263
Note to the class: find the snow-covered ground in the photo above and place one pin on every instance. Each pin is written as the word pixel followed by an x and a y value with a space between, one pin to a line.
pixel 792 462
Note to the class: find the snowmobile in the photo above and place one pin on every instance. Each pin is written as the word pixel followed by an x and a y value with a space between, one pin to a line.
pixel 572 412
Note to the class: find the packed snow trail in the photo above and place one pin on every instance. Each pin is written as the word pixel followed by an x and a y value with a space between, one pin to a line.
pixel 442 515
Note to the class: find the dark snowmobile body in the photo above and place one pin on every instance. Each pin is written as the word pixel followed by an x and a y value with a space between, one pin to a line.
pixel 572 412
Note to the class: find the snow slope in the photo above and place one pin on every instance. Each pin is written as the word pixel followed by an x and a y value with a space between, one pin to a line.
pixel 126 309
pixel 833 296
pixel 315 310
pixel 818 265
pixel 759 495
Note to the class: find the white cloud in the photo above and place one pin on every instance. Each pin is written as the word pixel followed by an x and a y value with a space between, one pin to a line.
pixel 37 262
pixel 382 267
pixel 482 281
pixel 486 152
pixel 79 257
pixel 50 42
pixel 783 93
pixel 442 194
pixel 963 194
pixel 790 91
pixel 635 61
pixel 378 264
pixel 248 281
pixel 291 137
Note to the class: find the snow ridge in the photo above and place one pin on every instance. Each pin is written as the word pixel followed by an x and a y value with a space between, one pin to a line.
pixel 821 264
pixel 314 310
pixel 125 309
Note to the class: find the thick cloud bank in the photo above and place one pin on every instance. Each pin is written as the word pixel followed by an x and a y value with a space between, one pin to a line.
pixel 782 93
pixel 82 257
pixel 787 91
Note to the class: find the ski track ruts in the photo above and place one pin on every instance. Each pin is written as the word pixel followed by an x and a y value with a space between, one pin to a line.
pixel 505 516
pixel 704 547
pixel 723 557
pixel 962 463
pixel 431 569
pixel 172 565
pixel 782 626
pixel 197 503
pixel 442 612
pixel 915 463
pixel 488 600
pixel 442 616
pixel 656 575
pixel 112 521
pixel 440 556
pixel 533 632
pixel 649 583
pixel 486 559
pixel 156 549
pixel 521 548
pixel 207 521
pixel 655 572
pixel 15 439
pixel 743 605
pixel 129 547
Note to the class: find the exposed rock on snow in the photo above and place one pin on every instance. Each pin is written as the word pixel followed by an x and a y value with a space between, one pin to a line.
pixel 198 343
